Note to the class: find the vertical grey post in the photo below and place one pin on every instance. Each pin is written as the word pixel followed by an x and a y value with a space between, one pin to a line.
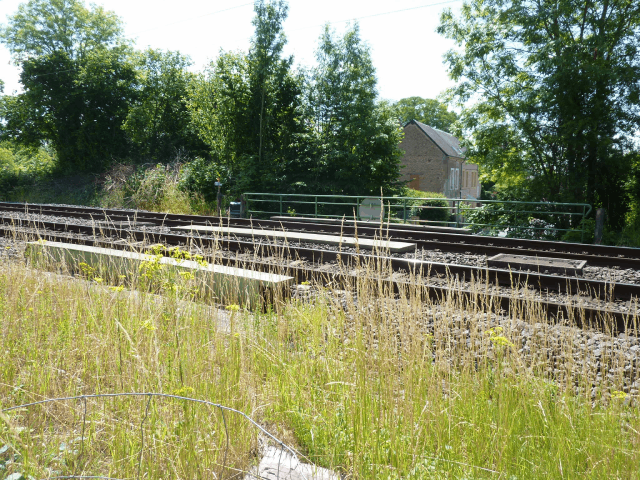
pixel 601 216
pixel 280 205
pixel 316 206
pixel 582 223
pixel 404 210
pixel 458 214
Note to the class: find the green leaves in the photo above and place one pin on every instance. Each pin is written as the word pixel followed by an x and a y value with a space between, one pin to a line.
pixel 159 123
pixel 554 84
pixel 77 79
pixel 425 110
pixel 245 107
pixel 42 27
pixel 353 137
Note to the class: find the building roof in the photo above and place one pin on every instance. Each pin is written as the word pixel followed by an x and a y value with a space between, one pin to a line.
pixel 446 142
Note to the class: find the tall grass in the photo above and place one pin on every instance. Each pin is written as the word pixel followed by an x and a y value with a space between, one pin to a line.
pixel 155 188
pixel 369 383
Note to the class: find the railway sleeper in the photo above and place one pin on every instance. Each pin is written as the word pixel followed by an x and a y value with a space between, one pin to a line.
pixel 222 284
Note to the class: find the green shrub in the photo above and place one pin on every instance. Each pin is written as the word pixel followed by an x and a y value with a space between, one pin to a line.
pixel 200 175
pixel 519 220
pixel 151 187
pixel 20 166
pixel 435 209
pixel 583 234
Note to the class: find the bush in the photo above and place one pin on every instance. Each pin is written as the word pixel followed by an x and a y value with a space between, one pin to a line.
pixel 20 166
pixel 156 188
pixel 514 220
pixel 436 209
pixel 199 176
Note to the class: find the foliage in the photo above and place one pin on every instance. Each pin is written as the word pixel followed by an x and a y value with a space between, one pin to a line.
pixel 440 210
pixel 584 233
pixel 199 176
pixel 20 166
pixel 41 28
pixel 218 102
pixel 158 123
pixel 77 81
pixel 426 110
pixel 151 187
pixel 273 101
pixel 351 136
pixel 513 220
pixel 557 91
pixel 245 106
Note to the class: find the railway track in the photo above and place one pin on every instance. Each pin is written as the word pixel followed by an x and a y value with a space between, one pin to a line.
pixel 305 262
pixel 424 236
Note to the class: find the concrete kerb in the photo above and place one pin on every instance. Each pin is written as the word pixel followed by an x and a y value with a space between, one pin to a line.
pixel 383 245
pixel 227 285
pixel 562 266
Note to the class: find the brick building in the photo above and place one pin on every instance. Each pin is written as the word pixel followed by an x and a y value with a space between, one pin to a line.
pixel 434 162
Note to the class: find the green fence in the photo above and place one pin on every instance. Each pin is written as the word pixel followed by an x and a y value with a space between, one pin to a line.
pixel 544 220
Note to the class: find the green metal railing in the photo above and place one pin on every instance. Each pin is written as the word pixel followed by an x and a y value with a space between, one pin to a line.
pixel 530 219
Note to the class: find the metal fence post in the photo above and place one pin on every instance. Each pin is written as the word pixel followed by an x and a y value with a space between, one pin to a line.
pixel 280 205
pixel 404 210
pixel 457 213
pixel 583 225
pixel 316 206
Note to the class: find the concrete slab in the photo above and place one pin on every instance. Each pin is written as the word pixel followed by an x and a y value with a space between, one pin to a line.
pixel 562 266
pixel 279 464
pixel 375 224
pixel 227 285
pixel 124 224
pixel 303 237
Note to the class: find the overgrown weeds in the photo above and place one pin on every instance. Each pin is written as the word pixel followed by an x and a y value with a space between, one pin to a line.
pixel 370 383
pixel 155 188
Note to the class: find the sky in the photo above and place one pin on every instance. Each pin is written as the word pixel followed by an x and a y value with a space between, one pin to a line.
pixel 406 50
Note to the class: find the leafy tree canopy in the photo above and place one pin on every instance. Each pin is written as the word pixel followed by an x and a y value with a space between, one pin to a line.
pixel 353 140
pixel 556 86
pixel 426 110
pixel 78 82
pixel 245 106
pixel 43 27
pixel 158 122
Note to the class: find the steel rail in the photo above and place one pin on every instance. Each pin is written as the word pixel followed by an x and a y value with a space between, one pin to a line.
pixel 569 285
pixel 603 319
pixel 428 238
pixel 564 284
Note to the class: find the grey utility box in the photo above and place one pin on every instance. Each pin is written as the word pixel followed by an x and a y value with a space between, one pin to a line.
pixel 235 209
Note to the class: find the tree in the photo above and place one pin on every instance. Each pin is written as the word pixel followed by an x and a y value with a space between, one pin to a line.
pixel 44 27
pixel 159 123
pixel 245 107
pixel 78 82
pixel 428 111
pixel 274 97
pixel 354 140
pixel 218 103
pixel 78 107
pixel 557 90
